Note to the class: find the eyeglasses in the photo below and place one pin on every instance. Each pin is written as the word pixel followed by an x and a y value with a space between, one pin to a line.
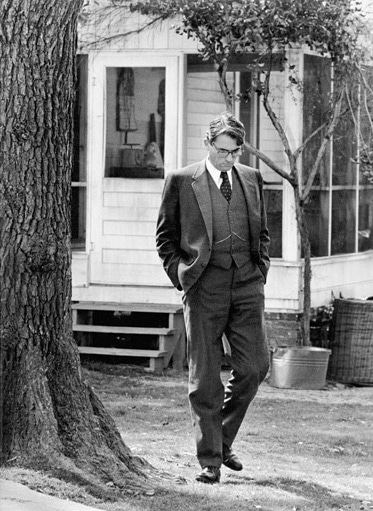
pixel 225 153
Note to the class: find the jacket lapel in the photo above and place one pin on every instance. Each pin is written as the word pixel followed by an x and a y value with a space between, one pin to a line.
pixel 201 190
pixel 251 192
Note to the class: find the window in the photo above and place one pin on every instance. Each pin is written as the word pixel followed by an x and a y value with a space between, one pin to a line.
pixel 340 209
pixel 135 122
pixel 79 174
pixel 317 86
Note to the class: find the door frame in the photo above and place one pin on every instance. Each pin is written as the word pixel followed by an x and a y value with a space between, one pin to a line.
pixel 97 182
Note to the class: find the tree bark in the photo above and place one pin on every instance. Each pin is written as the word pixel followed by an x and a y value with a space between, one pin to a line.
pixel 50 418
pixel 307 270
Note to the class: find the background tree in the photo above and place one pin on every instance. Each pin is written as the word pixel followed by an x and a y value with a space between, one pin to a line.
pixel 51 419
pixel 268 28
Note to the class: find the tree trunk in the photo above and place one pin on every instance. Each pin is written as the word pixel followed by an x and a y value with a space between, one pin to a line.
pixel 307 273
pixel 50 418
pixel 222 67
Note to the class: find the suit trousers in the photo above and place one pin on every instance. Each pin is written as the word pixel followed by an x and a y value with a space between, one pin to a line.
pixel 231 301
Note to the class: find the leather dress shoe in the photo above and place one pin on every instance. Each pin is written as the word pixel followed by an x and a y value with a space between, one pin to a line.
pixel 231 460
pixel 209 475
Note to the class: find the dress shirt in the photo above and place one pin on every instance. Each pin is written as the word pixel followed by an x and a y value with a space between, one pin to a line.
pixel 215 173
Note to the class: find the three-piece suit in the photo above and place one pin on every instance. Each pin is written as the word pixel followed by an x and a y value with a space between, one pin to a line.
pixel 216 252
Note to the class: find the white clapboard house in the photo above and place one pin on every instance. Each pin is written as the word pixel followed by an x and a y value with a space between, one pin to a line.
pixel 145 101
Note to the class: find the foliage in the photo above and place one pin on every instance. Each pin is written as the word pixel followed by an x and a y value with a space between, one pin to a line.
pixel 264 28
pixel 322 314
pixel 228 27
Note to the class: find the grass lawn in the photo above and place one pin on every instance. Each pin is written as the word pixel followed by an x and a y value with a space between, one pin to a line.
pixel 302 450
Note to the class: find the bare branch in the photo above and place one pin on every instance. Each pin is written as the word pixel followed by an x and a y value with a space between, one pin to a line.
pixel 264 158
pixel 222 74
pixel 351 108
pixel 302 147
pixel 366 84
pixel 369 117
pixel 322 126
pixel 320 154
pixel 122 35
pixel 279 128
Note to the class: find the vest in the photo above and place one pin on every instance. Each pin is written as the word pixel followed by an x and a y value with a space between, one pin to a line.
pixel 230 226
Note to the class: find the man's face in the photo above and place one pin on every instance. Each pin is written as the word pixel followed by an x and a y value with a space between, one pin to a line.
pixel 220 152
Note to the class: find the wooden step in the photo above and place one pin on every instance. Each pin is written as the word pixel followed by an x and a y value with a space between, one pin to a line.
pixel 128 307
pixel 122 329
pixel 155 356
pixel 120 352
pixel 170 337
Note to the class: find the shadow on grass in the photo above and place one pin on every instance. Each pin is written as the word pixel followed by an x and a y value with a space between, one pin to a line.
pixel 248 495
pixel 311 491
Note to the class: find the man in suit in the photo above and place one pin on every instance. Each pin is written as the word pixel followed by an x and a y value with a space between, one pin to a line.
pixel 213 240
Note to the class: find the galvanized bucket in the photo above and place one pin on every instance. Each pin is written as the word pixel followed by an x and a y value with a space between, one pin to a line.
pixel 299 367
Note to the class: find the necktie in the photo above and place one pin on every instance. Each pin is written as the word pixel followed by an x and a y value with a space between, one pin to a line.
pixel 225 187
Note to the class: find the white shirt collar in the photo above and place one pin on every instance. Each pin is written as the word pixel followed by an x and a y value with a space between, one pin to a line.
pixel 215 173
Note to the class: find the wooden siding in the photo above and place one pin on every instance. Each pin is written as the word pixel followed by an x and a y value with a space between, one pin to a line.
pixel 121 28
pixel 129 215
pixel 204 102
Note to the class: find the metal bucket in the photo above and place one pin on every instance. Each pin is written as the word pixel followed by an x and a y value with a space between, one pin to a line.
pixel 300 367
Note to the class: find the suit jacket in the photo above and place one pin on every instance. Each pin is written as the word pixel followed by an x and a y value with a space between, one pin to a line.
pixel 184 227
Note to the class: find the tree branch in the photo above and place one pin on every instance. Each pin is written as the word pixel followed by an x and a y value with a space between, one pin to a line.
pixel 301 148
pixel 122 35
pixel 278 126
pixel 320 154
pixel 271 164
pixel 369 117
pixel 222 73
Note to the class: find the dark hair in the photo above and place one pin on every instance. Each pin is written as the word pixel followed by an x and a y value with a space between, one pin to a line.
pixel 226 124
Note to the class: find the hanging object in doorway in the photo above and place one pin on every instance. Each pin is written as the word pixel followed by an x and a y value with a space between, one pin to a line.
pixel 125 101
